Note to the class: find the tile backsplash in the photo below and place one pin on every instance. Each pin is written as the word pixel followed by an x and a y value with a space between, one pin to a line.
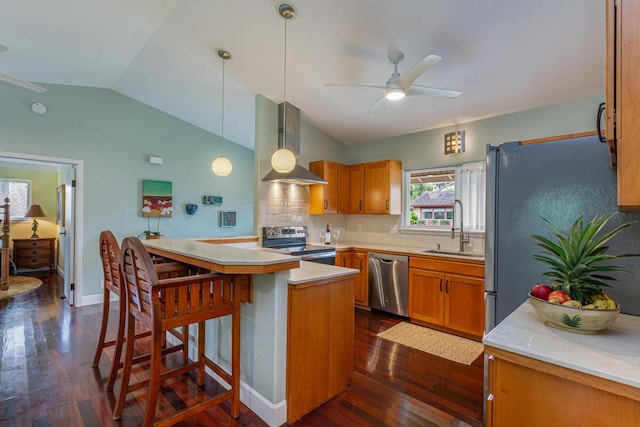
pixel 284 204
pixel 288 204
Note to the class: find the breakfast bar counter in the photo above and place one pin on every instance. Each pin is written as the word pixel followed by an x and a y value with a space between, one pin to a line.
pixel 564 372
pixel 296 334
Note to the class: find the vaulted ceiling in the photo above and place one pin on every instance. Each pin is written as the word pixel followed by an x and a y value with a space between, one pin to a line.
pixel 504 55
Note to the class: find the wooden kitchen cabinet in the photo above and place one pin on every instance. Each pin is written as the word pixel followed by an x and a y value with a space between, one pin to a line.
pixel 34 253
pixel 344 186
pixel 448 294
pixel 356 196
pixel 359 261
pixel 320 328
pixel 323 198
pixel 383 187
pixel 622 95
pixel 529 392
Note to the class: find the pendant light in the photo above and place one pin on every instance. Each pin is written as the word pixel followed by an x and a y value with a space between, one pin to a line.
pixel 222 166
pixel 283 160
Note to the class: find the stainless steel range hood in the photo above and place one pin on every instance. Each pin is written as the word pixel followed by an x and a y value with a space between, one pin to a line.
pixel 299 175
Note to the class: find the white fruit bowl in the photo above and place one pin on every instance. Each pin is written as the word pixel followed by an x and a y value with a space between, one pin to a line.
pixel 575 319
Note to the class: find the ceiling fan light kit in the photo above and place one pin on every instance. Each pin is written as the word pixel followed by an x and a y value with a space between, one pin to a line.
pixel 222 166
pixel 283 160
pixel 398 86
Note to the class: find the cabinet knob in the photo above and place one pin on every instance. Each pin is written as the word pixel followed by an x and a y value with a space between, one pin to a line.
pixel 440 285
pixel 447 286
pixel 490 357
pixel 360 206
pixel 387 204
pixel 326 204
pixel 490 398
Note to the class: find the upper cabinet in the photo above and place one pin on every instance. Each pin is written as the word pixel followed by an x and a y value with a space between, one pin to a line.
pixel 623 97
pixel 323 198
pixel 356 189
pixel 344 184
pixel 367 188
pixel 383 187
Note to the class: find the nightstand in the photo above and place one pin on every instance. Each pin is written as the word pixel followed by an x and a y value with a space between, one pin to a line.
pixel 34 253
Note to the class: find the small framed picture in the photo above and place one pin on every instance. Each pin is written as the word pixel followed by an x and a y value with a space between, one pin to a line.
pixel 211 200
pixel 227 218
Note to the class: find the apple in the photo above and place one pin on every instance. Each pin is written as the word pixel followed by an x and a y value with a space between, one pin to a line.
pixel 558 297
pixel 541 291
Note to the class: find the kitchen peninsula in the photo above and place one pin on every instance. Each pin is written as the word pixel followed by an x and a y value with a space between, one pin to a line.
pixel 296 334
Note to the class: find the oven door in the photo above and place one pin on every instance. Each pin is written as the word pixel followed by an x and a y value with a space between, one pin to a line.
pixel 322 258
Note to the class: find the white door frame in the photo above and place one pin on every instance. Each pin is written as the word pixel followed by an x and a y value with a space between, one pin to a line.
pixel 78 236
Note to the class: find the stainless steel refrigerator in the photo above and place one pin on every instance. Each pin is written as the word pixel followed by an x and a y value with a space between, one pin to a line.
pixel 560 181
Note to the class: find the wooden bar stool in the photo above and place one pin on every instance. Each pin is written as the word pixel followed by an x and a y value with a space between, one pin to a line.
pixel 164 304
pixel 111 255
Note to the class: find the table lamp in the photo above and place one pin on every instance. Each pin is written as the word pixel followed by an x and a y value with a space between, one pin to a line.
pixel 35 211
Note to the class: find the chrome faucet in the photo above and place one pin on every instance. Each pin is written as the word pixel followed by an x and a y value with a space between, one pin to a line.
pixel 463 239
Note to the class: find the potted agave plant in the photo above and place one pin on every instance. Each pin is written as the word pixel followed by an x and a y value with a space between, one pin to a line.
pixel 579 268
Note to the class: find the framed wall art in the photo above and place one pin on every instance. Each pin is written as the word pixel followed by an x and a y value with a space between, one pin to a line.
pixel 157 199
pixel 212 200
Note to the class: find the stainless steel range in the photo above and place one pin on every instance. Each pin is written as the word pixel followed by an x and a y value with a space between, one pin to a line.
pixel 292 240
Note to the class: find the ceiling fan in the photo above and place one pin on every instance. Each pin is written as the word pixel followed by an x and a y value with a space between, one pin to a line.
pixel 398 86
pixel 16 81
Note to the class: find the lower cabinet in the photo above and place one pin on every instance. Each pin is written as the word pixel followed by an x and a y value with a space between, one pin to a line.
pixel 320 332
pixel 528 392
pixel 448 294
pixel 357 260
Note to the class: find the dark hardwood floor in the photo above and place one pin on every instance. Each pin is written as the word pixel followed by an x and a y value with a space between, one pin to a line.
pixel 46 378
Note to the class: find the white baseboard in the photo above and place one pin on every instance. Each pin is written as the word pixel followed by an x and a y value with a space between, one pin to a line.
pixel 274 414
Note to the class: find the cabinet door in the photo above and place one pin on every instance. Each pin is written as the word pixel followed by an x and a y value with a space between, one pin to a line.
pixel 628 103
pixel 356 196
pixel 343 259
pixel 464 308
pixel 426 296
pixel 323 198
pixel 361 283
pixel 343 188
pixel 383 187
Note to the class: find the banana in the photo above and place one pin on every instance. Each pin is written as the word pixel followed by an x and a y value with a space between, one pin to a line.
pixel 600 303
pixel 611 304
pixel 589 307
pixel 572 303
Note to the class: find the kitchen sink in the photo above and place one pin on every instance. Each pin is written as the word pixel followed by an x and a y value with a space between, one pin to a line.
pixel 456 253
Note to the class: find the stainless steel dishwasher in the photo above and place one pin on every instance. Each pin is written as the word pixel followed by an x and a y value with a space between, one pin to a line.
pixel 389 283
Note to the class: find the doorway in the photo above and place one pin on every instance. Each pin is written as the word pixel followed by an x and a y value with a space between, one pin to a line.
pixel 68 215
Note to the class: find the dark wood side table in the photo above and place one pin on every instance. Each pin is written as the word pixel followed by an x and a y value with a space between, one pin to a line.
pixel 35 253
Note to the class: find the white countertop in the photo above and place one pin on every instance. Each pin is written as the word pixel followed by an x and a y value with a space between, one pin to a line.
pixel 312 271
pixel 219 254
pixel 612 354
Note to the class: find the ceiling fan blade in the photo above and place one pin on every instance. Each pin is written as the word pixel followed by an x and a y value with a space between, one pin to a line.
pixel 410 76
pixel 377 104
pixel 433 91
pixel 22 83
pixel 354 85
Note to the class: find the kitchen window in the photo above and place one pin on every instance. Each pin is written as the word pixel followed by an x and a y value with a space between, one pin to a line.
pixel 430 195
pixel 19 193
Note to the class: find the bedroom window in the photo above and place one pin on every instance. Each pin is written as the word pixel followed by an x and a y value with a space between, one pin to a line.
pixel 19 193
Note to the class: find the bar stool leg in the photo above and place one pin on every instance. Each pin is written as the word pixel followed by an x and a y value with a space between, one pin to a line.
pixel 103 327
pixel 235 350
pixel 201 353
pixel 117 355
pixel 154 379
pixel 126 371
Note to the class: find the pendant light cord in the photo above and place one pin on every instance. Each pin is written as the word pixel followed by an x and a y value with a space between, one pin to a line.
pixel 222 127
pixel 284 105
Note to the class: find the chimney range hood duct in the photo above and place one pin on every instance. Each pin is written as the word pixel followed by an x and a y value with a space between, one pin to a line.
pixel 298 175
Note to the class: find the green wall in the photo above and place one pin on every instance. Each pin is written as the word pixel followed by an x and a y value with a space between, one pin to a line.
pixel 426 149
pixel 114 135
